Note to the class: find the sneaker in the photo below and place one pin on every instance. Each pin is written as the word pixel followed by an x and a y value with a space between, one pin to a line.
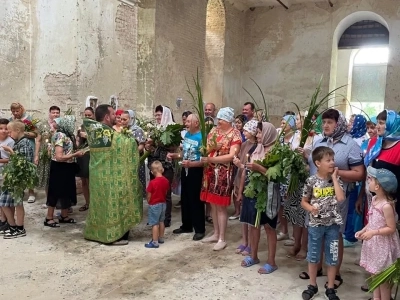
pixel 31 199
pixel 347 244
pixel 310 293
pixel 151 244
pixel 234 217
pixel 3 227
pixel 15 233
pixel 5 230
pixel 178 205
pixel 330 294
pixel 161 240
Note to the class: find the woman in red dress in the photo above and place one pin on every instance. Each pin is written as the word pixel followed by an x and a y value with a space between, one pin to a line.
pixel 223 143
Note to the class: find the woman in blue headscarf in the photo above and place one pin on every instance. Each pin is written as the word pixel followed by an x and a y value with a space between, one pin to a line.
pixel 383 150
pixel 359 129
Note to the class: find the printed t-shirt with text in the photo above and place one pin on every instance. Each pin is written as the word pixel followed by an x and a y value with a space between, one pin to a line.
pixel 321 193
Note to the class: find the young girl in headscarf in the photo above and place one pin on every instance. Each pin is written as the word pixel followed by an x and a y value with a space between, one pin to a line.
pixel 266 137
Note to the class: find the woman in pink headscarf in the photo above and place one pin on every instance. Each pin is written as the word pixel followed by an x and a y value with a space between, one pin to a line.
pixel 266 137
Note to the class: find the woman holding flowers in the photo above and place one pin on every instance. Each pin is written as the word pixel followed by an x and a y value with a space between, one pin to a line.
pixel 19 113
pixel 223 143
pixel 266 137
pixel 42 153
pixel 62 184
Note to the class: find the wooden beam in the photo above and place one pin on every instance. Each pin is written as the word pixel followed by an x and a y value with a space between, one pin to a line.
pixel 283 4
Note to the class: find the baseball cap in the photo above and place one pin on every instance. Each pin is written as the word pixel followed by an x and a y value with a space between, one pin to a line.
pixel 386 179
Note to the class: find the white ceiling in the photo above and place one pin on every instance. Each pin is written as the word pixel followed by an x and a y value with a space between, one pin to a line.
pixel 257 3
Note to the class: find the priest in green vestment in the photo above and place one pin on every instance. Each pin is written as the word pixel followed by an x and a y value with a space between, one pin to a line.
pixel 116 203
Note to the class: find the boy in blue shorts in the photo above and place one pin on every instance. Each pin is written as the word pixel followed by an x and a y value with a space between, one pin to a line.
pixel 156 197
pixel 321 195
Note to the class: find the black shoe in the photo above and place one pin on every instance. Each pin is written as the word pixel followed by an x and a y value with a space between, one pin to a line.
pixel 167 224
pixel 181 230
pixel 4 229
pixel 198 236
pixel 330 294
pixel 15 233
pixel 310 292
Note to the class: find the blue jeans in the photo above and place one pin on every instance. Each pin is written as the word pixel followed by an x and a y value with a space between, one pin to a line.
pixel 350 231
pixel 330 236
pixel 156 213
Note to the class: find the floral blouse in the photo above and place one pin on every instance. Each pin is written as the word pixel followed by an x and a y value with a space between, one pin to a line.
pixel 62 140
pixel 233 137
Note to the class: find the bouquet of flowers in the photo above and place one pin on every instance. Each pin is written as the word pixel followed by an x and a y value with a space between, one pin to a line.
pixel 162 136
pixel 30 126
pixel 19 174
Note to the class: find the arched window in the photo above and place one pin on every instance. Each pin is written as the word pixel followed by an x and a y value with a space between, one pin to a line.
pixel 368 80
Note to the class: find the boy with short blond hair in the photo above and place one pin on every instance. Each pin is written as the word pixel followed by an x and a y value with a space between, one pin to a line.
pixel 8 203
pixel 156 197
pixel 5 140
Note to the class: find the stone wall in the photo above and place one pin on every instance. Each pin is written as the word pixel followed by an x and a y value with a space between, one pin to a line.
pixel 66 51
pixel 287 51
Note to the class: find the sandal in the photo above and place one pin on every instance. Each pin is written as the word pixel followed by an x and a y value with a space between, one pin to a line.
pixel 301 255
pixel 305 276
pixel 267 269
pixel 246 251
pixel 84 207
pixel 292 253
pixel 248 261
pixel 336 286
pixel 66 220
pixel 209 219
pixel 310 292
pixel 52 225
pixel 240 249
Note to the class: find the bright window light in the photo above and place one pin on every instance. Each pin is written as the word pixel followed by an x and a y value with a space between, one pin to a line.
pixel 374 56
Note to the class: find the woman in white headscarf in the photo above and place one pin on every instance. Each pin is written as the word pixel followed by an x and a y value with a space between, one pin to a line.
pixel 163 117
pixel 223 143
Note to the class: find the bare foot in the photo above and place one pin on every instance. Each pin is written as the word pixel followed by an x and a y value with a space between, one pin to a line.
pixel 210 239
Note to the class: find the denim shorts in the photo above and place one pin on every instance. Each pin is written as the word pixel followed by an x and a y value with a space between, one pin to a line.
pixel 329 235
pixel 157 213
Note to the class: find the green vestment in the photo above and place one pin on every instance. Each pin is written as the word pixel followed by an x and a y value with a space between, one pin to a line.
pixel 116 203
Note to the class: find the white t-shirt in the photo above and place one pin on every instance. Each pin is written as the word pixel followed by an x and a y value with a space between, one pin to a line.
pixel 4 154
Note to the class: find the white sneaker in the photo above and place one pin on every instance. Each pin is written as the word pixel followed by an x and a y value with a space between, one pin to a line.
pixel 31 199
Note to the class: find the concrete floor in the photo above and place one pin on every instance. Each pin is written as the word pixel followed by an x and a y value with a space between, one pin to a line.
pixel 59 264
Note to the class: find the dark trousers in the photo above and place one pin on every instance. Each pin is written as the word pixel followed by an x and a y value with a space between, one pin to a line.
pixel 169 174
pixel 192 208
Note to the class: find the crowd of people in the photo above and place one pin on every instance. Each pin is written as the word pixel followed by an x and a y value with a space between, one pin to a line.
pixel 350 195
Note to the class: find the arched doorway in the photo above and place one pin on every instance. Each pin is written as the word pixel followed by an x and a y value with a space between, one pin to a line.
pixel 214 52
pixel 357 31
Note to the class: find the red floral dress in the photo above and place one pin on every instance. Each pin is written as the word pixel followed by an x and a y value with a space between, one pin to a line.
pixel 218 178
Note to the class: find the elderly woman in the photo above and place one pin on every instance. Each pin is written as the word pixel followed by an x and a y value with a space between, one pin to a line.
pixel 63 167
pixel 223 143
pixel 19 113
pixel 348 158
